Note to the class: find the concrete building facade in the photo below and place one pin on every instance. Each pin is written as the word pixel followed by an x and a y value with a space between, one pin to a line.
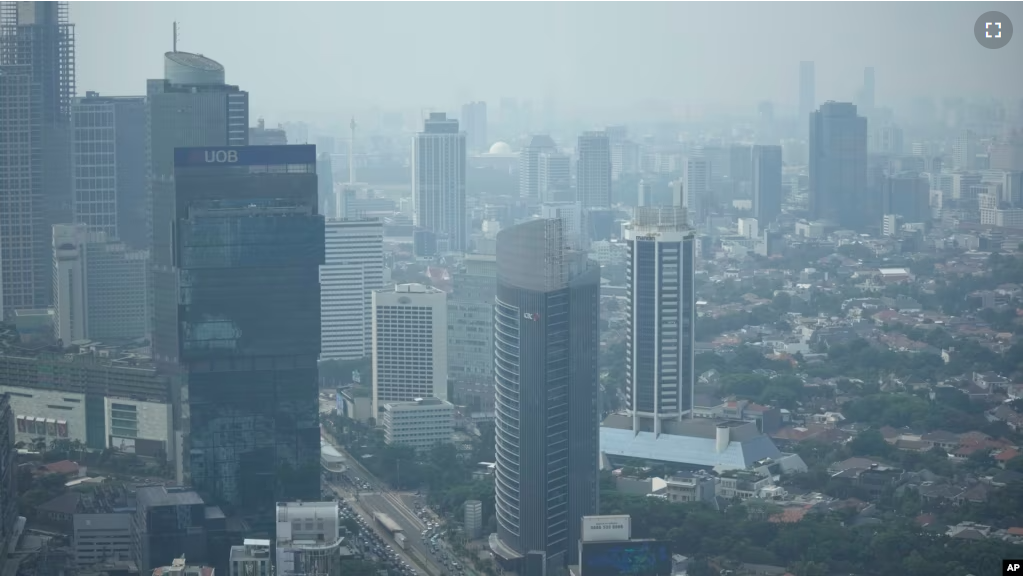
pixel 353 269
pixel 421 424
pixel 546 342
pixel 470 332
pixel 99 286
pixel 661 311
pixel 409 344
pixel 438 180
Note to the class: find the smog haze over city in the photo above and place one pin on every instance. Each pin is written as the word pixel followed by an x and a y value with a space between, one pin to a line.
pixel 511 288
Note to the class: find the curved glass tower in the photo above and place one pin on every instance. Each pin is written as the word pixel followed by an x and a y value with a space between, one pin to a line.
pixel 547 394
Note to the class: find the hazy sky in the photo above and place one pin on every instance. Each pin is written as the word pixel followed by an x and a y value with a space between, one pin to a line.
pixel 311 58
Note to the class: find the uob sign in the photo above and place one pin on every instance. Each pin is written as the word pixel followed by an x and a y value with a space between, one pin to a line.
pixel 221 156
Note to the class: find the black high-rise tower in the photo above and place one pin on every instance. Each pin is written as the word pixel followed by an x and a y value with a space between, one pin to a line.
pixel 238 322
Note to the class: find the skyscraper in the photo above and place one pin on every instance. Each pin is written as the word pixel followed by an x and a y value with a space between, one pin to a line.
pixel 238 322
pixel 807 96
pixel 546 342
pixel 474 122
pixel 410 338
pixel 554 176
pixel 661 312
pixel 767 189
pixel 838 165
pixel 353 269
pixel 438 180
pixel 108 162
pixel 867 97
pixel 964 150
pixel 37 83
pixel 99 288
pixel 190 106
pixel 907 195
pixel 325 196
pixel 471 332
pixel 529 165
pixel 593 172
pixel 693 190
pixel 740 170
pixel 644 194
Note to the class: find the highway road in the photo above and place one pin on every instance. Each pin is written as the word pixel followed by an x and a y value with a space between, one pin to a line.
pixel 379 499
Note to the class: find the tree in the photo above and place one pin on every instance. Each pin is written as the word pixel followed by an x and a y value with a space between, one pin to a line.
pixel 870 443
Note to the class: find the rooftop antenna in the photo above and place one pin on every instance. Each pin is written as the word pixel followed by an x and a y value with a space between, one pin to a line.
pixel 175 37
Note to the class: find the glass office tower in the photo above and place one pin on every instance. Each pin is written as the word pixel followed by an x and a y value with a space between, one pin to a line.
pixel 238 320
pixel 547 394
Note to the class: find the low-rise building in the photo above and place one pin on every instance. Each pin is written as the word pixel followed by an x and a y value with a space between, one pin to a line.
pixel 698 443
pixel 169 522
pixel 690 487
pixel 308 539
pixel 103 396
pixel 102 525
pixel 252 558
pixel 421 423
pixel 178 567
pixel 746 484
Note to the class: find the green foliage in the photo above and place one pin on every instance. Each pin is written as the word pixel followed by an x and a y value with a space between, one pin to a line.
pixel 817 545
pixel 447 477
pixel 339 372
pixel 901 410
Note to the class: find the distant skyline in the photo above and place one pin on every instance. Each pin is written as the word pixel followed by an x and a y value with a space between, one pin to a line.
pixel 313 61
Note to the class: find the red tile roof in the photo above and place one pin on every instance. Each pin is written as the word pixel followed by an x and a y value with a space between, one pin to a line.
pixel 1007 454
pixel 62 467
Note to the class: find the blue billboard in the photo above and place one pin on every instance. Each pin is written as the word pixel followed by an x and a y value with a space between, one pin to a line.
pixel 630 558
pixel 245 155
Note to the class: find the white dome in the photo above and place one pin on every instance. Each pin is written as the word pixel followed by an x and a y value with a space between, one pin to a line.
pixel 500 148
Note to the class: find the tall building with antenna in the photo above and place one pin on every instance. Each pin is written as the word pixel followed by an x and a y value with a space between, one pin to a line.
pixel 37 84
pixel 190 106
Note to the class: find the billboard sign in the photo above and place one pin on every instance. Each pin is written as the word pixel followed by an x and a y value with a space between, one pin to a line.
pixel 633 558
pixel 607 528
pixel 245 155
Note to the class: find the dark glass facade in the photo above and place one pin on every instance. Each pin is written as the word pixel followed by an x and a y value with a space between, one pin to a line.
pixel 838 166
pixel 547 399
pixel 238 319
pixel 661 310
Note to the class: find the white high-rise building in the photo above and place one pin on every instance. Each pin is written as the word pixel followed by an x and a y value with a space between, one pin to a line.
pixel 69 282
pixel 438 179
pixel 410 337
pixel 749 228
pixel 645 194
pixel 529 165
pixel 353 270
